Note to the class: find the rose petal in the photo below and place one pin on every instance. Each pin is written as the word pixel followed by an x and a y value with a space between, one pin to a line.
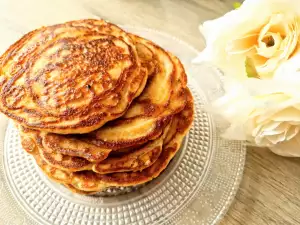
pixel 289 71
pixel 271 128
pixel 258 130
pixel 258 59
pixel 294 123
pixel 262 48
pixel 270 51
pixel 289 148
pixel 242 45
pixel 275 139
pixel 288 114
pixel 262 141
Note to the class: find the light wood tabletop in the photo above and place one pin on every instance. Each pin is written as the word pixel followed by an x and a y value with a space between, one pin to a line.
pixel 270 189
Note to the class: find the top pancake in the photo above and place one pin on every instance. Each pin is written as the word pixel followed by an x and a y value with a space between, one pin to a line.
pixel 71 77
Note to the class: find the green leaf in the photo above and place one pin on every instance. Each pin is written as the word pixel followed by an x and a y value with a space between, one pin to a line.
pixel 250 68
pixel 237 5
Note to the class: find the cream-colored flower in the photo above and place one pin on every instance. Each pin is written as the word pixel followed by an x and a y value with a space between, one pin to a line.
pixel 288 74
pixel 263 116
pixel 254 39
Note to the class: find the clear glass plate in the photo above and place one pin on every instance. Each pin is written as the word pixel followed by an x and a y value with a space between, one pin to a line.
pixel 196 188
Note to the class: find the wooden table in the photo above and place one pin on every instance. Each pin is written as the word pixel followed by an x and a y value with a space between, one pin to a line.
pixel 270 190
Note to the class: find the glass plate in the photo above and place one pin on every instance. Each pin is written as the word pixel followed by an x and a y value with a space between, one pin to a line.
pixel 196 188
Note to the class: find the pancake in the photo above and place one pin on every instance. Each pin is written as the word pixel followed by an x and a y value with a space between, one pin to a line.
pixel 89 181
pixel 134 161
pixel 55 174
pixel 70 78
pixel 137 159
pixel 77 191
pixel 163 96
pixel 33 140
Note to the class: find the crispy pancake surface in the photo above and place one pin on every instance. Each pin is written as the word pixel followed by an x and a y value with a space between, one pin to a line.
pixel 88 181
pixel 70 78
pixel 33 140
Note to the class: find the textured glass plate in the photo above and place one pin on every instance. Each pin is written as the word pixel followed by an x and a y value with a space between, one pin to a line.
pixel 196 188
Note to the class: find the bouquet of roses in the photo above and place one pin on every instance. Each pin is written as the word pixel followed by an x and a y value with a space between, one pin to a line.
pixel 257 46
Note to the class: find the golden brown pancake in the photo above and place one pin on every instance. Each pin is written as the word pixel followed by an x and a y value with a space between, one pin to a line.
pixel 55 174
pixel 89 181
pixel 136 159
pixel 77 191
pixel 32 140
pixel 148 59
pixel 71 77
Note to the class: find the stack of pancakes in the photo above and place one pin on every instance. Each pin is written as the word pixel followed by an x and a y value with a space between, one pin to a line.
pixel 97 107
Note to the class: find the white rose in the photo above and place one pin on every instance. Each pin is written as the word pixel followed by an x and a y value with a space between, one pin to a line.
pixel 261 34
pixel 264 112
pixel 288 74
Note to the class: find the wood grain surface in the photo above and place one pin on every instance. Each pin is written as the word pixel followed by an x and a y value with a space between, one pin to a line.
pixel 270 190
